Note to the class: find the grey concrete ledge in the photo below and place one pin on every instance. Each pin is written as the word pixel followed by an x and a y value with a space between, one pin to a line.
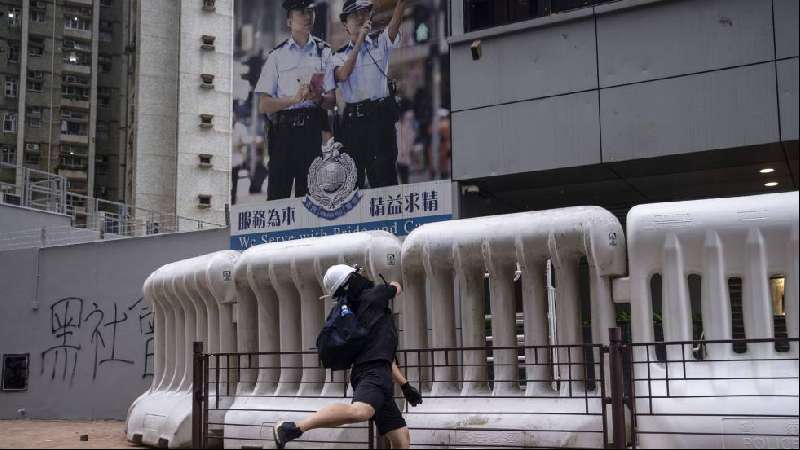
pixel 553 19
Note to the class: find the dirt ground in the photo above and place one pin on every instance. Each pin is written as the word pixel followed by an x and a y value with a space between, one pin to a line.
pixel 62 434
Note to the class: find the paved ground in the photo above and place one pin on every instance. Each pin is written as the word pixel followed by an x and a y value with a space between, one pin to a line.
pixel 62 434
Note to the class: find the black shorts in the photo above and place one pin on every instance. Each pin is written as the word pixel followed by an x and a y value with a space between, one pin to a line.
pixel 372 384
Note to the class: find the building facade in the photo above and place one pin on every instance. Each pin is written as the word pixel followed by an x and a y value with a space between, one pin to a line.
pixel 64 91
pixel 559 103
pixel 183 91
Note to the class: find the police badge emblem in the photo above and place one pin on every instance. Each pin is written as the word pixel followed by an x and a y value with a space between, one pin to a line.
pixel 332 179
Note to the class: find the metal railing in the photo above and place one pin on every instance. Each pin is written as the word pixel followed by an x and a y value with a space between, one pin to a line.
pixel 614 386
pixel 654 385
pixel 217 377
pixel 49 192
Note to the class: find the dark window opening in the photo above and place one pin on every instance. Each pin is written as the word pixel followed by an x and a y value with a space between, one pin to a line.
pixel 15 372
pixel 695 284
pixel 658 327
pixel 777 292
pixel 737 314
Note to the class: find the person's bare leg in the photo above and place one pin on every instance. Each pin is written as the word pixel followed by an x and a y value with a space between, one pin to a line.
pixel 399 438
pixel 337 415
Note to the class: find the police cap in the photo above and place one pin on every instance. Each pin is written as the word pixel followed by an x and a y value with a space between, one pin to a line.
pixel 351 6
pixel 289 5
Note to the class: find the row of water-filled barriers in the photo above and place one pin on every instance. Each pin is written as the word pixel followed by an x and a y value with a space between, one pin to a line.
pixel 518 389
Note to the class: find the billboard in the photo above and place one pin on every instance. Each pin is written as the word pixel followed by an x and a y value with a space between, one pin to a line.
pixel 341 119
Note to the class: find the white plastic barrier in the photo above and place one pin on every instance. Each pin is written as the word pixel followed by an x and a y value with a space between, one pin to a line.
pixel 279 287
pixel 440 258
pixel 751 238
pixel 191 301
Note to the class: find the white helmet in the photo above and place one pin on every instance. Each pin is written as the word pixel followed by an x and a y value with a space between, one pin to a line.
pixel 336 276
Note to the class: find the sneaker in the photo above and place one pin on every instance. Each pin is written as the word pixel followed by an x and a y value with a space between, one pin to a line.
pixel 284 432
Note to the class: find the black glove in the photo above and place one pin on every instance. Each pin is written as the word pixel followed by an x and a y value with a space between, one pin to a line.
pixel 411 394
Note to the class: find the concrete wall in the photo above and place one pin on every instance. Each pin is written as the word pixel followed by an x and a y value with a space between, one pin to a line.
pixel 77 311
pixel 625 80
pixel 15 218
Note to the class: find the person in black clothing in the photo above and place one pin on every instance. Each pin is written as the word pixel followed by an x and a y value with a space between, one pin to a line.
pixel 374 370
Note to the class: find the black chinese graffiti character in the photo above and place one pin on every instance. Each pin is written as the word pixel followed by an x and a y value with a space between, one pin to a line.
pixel 146 328
pixel 113 324
pixel 97 336
pixel 65 319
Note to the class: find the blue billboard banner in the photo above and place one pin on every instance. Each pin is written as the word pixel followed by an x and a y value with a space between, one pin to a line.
pixel 397 209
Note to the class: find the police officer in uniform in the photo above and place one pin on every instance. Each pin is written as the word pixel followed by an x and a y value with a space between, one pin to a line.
pixel 360 70
pixel 291 88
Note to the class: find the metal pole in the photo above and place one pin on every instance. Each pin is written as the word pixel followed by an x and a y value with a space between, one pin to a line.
pixel 617 387
pixel 197 397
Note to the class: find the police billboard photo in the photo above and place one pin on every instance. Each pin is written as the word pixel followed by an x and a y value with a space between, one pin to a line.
pixel 336 97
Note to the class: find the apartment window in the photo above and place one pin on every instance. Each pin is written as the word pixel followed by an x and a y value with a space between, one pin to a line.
pixel 35 117
pixel 38 16
pixel 35 81
pixel 32 154
pixel 36 47
pixel 102 131
pixel 77 23
pixel 75 93
pixel 9 122
pixel 107 3
pixel 13 17
pixel 7 154
pixel 104 64
pixel 481 14
pixel 73 158
pixel 12 87
pixel 13 52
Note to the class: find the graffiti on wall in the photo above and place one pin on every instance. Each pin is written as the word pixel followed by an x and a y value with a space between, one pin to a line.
pixel 79 327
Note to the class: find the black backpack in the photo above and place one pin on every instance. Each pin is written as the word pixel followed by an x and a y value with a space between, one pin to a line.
pixel 342 337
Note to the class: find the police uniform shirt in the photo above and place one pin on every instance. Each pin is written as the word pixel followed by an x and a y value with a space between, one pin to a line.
pixel 368 79
pixel 288 62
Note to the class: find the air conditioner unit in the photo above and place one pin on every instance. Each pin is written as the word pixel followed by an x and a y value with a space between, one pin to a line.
pixel 39 5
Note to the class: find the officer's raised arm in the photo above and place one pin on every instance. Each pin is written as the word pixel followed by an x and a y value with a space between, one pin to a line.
pixel 397 19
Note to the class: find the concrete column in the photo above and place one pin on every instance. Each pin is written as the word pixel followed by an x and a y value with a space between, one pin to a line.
pixel 22 93
pixel 93 99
